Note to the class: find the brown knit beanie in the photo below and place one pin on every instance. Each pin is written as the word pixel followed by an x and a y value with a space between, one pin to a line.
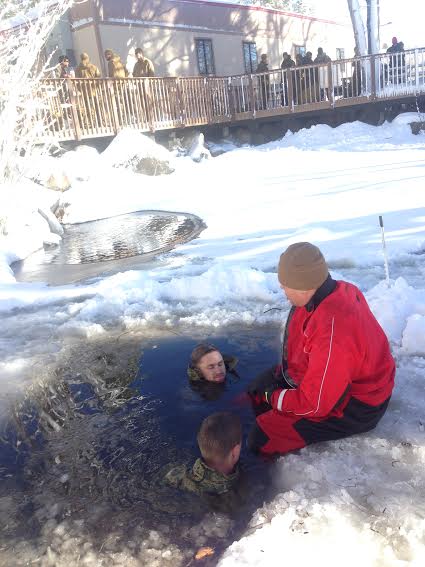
pixel 302 267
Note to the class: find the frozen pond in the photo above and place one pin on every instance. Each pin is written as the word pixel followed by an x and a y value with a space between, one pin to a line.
pixel 109 245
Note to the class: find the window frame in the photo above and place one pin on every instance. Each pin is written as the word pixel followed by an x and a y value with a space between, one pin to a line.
pixel 340 53
pixel 297 49
pixel 205 39
pixel 249 43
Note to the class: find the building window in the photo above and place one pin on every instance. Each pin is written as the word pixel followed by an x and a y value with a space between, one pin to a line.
pixel 340 53
pixel 205 55
pixel 250 56
pixel 299 50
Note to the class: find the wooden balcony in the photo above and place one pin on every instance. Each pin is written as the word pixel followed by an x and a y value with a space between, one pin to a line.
pixel 75 109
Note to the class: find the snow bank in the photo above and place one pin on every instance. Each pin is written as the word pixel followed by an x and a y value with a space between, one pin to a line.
pixel 130 144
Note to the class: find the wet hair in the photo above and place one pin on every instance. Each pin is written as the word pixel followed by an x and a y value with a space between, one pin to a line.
pixel 219 433
pixel 200 351
pixel 138 50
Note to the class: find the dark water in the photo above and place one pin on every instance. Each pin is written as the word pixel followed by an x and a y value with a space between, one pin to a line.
pixel 85 457
pixel 109 245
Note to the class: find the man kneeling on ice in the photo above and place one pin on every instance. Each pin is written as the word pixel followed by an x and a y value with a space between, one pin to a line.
pixel 215 477
pixel 337 372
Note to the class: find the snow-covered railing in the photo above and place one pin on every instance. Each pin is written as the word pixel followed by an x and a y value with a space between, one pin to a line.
pixel 86 108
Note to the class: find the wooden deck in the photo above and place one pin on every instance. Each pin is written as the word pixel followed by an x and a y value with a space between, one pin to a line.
pixel 75 109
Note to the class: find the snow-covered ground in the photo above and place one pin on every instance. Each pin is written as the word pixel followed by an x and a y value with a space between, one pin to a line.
pixel 355 502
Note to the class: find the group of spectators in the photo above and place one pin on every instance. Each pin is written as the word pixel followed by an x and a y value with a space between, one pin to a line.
pixel 313 81
pixel 311 84
pixel 116 68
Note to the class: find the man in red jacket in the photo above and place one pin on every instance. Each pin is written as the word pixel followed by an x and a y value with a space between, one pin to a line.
pixel 337 372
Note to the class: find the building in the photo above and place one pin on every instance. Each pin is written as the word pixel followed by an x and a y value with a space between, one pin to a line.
pixel 199 37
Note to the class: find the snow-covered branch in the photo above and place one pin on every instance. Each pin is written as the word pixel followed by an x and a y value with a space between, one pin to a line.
pixel 24 29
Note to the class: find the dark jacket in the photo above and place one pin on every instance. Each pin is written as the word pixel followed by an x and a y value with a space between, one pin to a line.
pixel 323 58
pixel 287 63
pixel 262 67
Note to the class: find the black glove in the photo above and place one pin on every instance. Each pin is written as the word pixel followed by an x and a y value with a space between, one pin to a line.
pixel 268 392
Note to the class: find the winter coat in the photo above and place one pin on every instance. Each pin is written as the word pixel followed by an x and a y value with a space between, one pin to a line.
pixel 324 58
pixel 262 67
pixel 60 72
pixel 116 68
pixel 334 350
pixel 87 70
pixel 323 74
pixel 144 68
pixel 221 492
pixel 201 478
pixel 287 63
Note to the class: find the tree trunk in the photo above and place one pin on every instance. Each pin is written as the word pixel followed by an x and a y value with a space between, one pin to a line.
pixel 358 27
pixel 373 26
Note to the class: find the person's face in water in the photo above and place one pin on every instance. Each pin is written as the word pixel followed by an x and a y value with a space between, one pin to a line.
pixel 212 367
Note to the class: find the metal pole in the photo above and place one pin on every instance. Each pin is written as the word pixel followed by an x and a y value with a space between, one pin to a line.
pixel 384 250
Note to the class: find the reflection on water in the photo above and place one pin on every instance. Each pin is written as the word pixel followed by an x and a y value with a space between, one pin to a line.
pixel 83 459
pixel 111 244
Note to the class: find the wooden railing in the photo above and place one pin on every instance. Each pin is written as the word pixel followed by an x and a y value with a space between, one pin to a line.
pixel 85 108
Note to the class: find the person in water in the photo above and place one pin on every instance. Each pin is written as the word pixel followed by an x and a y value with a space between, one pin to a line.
pixel 207 364
pixel 207 371
pixel 216 476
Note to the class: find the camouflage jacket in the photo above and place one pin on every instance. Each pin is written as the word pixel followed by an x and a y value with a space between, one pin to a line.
pixel 229 361
pixel 87 71
pixel 116 68
pixel 144 68
pixel 223 493
pixel 201 478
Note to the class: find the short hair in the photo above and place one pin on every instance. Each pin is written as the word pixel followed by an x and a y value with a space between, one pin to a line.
pixel 219 433
pixel 63 58
pixel 138 50
pixel 199 351
pixel 320 50
pixel 263 55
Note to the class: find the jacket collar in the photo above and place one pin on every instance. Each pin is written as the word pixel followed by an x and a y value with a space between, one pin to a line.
pixel 327 287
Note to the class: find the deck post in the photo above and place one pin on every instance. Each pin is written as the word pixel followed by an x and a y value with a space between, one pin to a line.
pixel 231 95
pixel 149 104
pixel 416 70
pixel 373 77
pixel 251 94
pixel 180 103
pixel 74 109
pixel 113 100
pixel 289 79
pixel 331 85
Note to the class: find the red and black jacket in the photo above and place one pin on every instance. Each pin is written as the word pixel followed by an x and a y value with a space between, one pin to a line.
pixel 334 349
